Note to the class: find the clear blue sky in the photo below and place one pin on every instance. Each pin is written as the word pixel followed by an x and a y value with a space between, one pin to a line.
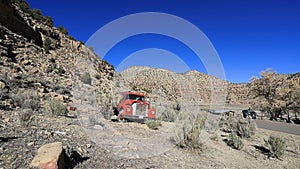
pixel 249 35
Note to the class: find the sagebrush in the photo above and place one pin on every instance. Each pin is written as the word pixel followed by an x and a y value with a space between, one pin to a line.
pixel 189 129
pixel 153 124
pixel 56 108
pixel 243 127
pixel 276 146
pixel 27 99
pixel 235 141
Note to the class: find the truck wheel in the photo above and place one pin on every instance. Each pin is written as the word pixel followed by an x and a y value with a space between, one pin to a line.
pixel 121 115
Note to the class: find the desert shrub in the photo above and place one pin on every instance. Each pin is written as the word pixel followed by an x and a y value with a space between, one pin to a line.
pixel 56 108
pixel 153 124
pixel 188 131
pixel 276 146
pixel 48 21
pixel 245 128
pixel 47 45
pixel 25 116
pixel 235 141
pixel 86 78
pixel 62 30
pixel 167 114
pixel 27 99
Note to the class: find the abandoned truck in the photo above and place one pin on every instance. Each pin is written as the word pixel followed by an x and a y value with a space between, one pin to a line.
pixel 133 107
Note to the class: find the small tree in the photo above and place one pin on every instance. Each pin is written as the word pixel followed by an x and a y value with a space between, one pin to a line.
pixel 48 21
pixel 269 93
pixel 36 14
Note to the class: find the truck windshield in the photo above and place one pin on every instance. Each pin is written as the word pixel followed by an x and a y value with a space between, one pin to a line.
pixel 135 97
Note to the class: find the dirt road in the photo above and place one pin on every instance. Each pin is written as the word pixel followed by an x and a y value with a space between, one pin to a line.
pixel 278 126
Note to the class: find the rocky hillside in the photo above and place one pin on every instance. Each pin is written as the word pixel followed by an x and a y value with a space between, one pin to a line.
pixel 189 88
pixel 37 56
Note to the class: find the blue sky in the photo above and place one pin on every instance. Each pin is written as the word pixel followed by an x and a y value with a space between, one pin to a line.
pixel 249 35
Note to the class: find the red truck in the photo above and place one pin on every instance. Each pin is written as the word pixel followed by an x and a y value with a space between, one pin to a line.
pixel 133 107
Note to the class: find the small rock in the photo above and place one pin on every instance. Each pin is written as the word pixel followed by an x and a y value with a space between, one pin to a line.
pixel 6 120
pixel 80 151
pixel 30 144
pixel 60 97
pixel 2 85
pixel 41 94
pixel 88 146
pixel 60 132
pixel 98 127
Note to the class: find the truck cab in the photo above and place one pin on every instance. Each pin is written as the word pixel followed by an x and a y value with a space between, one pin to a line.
pixel 133 107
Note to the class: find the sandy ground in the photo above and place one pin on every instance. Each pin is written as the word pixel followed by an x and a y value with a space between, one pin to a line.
pixel 217 154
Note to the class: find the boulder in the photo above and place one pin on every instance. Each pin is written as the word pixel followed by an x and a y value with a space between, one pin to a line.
pixel 49 156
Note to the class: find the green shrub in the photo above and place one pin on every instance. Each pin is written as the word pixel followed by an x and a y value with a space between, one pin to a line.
pixel 235 141
pixel 86 78
pixel 153 124
pixel 27 99
pixel 56 108
pixel 276 146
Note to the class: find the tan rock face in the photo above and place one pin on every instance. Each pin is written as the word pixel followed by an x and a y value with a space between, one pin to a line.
pixel 49 156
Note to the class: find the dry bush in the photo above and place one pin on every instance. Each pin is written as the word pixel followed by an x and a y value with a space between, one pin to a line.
pixel 167 114
pixel 276 146
pixel 56 108
pixel 235 141
pixel 189 129
pixel 25 117
pixel 27 99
